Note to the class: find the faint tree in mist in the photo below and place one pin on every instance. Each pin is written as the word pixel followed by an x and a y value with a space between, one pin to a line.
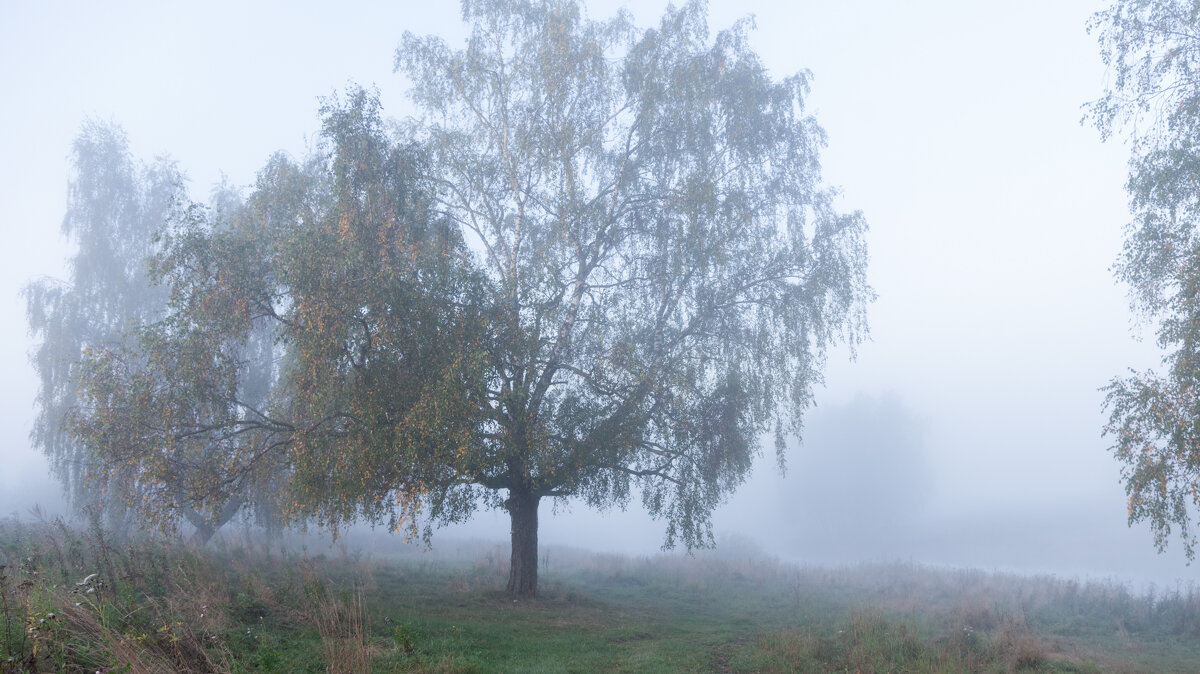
pixel 116 209
pixel 861 478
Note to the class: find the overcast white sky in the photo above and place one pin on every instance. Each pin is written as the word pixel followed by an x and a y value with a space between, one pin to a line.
pixel 953 125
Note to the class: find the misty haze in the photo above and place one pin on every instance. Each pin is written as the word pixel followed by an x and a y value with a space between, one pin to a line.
pixel 589 335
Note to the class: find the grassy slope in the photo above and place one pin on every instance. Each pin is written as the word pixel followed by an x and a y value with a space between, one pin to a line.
pixel 161 607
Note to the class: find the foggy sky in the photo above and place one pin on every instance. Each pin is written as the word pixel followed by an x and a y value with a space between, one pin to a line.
pixel 954 126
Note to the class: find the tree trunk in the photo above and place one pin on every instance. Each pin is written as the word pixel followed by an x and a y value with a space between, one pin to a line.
pixel 522 572
pixel 206 528
pixel 203 533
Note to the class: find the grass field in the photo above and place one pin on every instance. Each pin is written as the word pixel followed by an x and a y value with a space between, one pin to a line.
pixel 80 601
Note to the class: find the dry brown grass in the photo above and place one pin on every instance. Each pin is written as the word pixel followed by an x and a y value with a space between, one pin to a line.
pixel 343 628
pixel 1020 646
pixel 341 620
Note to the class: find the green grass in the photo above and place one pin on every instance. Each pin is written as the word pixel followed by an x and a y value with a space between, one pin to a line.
pixel 159 606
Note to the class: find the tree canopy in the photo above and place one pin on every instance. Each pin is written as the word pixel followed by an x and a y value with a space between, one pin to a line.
pixel 333 261
pixel 601 263
pixel 1153 50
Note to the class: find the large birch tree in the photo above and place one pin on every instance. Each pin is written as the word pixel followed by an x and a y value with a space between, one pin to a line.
pixel 664 268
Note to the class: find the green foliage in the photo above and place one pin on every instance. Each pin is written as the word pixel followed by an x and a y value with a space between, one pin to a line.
pixel 405 639
pixel 1153 49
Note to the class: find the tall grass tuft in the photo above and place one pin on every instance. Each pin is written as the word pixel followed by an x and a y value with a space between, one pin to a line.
pixel 343 625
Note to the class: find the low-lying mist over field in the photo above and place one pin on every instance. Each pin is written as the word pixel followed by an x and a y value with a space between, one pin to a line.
pixel 863 488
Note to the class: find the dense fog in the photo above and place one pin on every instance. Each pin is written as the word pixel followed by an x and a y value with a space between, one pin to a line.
pixel 966 431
